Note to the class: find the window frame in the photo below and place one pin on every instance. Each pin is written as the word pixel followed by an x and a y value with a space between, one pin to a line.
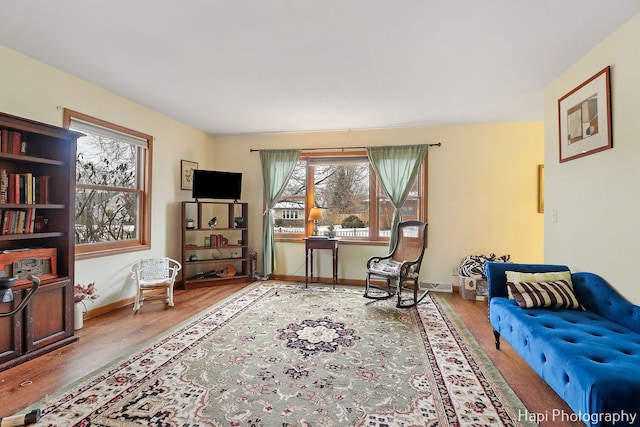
pixel 374 237
pixel 145 156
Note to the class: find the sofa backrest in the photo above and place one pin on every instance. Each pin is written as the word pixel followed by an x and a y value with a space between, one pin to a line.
pixel 597 295
pixel 497 278
pixel 594 293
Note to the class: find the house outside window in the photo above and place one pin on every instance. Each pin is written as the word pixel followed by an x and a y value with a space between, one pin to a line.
pixel 351 198
pixel 113 175
pixel 290 214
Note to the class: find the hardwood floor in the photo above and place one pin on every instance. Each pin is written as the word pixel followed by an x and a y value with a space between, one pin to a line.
pixel 112 335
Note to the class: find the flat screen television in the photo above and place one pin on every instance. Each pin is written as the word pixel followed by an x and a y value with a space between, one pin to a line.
pixel 216 185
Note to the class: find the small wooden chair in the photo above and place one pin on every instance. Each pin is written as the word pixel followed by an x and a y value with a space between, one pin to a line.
pixel 401 266
pixel 155 278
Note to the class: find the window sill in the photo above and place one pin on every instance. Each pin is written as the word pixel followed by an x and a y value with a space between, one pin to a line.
pixel 97 253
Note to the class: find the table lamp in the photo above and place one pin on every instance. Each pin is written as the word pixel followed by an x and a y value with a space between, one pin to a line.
pixel 315 215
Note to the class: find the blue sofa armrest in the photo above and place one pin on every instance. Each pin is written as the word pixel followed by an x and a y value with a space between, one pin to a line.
pixel 497 279
pixel 597 295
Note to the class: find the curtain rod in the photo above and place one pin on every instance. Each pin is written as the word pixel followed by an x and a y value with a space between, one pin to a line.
pixel 437 144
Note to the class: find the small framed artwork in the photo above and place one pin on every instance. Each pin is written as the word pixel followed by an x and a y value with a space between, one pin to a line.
pixel 186 174
pixel 540 188
pixel 584 118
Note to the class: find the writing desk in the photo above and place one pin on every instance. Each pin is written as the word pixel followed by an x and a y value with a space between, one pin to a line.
pixel 312 244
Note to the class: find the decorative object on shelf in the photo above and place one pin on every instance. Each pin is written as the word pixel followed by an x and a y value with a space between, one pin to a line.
pixel 584 116
pixel 239 221
pixel 213 222
pixel 193 257
pixel 226 270
pixel 186 174
pixel 234 254
pixel 217 254
pixel 315 215
pixel 331 231
pixel 24 262
pixel 40 224
pixel 190 223
pixel 218 240
pixel 80 295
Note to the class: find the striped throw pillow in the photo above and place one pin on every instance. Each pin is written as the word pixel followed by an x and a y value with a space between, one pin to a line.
pixel 553 294
pixel 549 276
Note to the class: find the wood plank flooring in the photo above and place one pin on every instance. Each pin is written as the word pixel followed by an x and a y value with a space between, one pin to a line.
pixel 110 336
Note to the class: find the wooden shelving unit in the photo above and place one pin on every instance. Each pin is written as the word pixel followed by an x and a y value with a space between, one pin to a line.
pixel 218 260
pixel 46 323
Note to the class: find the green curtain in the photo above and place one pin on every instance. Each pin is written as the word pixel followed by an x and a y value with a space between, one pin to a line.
pixel 397 167
pixel 277 167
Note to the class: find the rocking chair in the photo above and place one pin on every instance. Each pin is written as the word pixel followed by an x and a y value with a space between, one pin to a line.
pixel 401 267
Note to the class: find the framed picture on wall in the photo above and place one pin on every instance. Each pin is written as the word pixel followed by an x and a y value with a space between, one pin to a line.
pixel 540 188
pixel 584 118
pixel 186 174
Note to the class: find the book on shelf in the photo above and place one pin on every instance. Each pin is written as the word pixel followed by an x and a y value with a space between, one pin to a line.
pixel 4 185
pixel 17 221
pixel 24 188
pixel 11 142
pixel 4 141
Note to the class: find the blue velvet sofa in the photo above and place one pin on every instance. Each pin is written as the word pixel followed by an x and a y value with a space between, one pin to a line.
pixel 590 357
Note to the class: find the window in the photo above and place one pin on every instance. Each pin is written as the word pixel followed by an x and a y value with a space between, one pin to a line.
pixel 351 198
pixel 113 175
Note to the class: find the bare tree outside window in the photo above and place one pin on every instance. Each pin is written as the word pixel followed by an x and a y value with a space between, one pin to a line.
pixel 112 209
pixel 106 200
pixel 351 198
pixel 342 191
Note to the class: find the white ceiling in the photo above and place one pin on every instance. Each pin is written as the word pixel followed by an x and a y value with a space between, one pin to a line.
pixel 252 66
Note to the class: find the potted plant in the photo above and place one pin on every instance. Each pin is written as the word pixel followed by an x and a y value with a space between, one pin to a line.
pixel 190 223
pixel 332 231
pixel 80 295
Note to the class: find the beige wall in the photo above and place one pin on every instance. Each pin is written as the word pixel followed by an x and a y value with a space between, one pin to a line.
pixel 33 90
pixel 596 197
pixel 482 193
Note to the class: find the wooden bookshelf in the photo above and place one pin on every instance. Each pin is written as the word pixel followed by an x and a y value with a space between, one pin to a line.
pixel 213 255
pixel 46 323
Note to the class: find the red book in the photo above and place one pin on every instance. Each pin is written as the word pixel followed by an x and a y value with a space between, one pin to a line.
pixel 14 188
pixel 42 189
pixel 4 142
pixel 15 142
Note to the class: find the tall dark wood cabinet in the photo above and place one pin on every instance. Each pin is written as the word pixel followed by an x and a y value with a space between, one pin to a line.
pixel 214 251
pixel 37 194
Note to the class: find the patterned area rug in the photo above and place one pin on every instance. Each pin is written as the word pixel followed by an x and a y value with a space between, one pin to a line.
pixel 277 354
